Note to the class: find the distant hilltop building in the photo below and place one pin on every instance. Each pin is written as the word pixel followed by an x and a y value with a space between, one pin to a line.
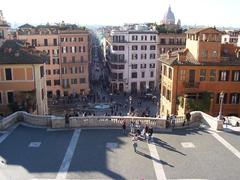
pixel 169 20
pixel 4 27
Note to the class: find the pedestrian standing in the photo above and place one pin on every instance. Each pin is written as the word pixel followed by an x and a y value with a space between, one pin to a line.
pixel 134 141
pixel 173 119
pixel 124 127
pixel 150 132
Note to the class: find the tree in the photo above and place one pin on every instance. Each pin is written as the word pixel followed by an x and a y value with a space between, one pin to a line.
pixel 201 104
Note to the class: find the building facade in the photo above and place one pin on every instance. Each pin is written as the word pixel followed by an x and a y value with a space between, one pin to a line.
pixel 69 51
pixel 131 56
pixel 22 80
pixel 193 79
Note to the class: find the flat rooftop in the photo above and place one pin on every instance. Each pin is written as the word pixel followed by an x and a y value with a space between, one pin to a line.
pixel 190 153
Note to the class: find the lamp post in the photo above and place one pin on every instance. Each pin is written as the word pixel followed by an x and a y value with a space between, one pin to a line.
pixel 130 103
pixel 221 103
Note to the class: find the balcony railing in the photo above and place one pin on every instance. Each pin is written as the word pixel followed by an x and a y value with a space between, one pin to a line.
pixel 191 84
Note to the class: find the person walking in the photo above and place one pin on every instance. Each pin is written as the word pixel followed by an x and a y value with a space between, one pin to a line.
pixel 124 127
pixel 188 117
pixel 134 141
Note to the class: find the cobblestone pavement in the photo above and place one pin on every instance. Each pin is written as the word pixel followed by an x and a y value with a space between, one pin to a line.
pixel 190 153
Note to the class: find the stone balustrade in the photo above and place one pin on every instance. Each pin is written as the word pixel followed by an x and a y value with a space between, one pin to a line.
pixel 113 121
pixel 96 121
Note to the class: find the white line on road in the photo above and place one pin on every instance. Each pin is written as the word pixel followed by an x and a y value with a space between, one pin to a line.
pixel 10 130
pixel 158 167
pixel 62 173
pixel 226 144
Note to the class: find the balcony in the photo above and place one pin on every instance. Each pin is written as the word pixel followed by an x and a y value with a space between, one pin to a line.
pixel 191 84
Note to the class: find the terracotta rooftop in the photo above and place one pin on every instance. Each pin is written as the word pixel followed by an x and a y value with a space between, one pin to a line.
pixel 172 60
pixel 14 52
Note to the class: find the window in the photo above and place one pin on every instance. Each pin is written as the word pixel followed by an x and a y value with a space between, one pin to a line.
pixel 143 47
pixel 8 73
pixel 55 42
pixel 212 75
pixel 223 75
pixel 115 48
pixel 164 91
pixel 168 95
pixel 81 69
pixel 120 76
pixel 82 80
pixel 42 94
pixel 134 75
pixel 56 71
pixel 45 42
pixel 134 48
pixel 143 74
pixel 162 41
pixel 72 49
pixel 10 97
pixel 151 74
pixel 134 66
pixel 204 53
pixel 134 38
pixel 48 72
pixel 235 75
pixel 48 82
pixel 152 56
pixel 64 60
pixel 121 67
pixel 234 98
pixel 152 47
pixel 170 73
pixel 73 81
pixel 80 49
pixel 84 49
pixel 134 56
pixel 143 66
pixel 56 82
pixel 64 50
pixel 56 61
pixel 143 56
pixel 41 71
pixel 121 48
pixel 164 70
pixel 182 75
pixel 152 65
pixel 73 59
pixel 202 74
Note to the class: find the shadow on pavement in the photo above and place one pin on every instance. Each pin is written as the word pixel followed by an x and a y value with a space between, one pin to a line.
pixel 163 144
pixel 152 158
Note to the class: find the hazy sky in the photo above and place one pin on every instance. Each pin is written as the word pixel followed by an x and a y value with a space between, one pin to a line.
pixel 117 12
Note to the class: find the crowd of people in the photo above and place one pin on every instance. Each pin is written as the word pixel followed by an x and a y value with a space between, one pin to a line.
pixel 137 131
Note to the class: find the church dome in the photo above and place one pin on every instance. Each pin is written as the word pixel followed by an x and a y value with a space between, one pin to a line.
pixel 169 17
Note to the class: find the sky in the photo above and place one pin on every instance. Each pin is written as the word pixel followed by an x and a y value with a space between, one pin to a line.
pixel 117 12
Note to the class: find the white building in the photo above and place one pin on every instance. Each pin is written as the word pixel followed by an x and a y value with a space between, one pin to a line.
pixel 230 37
pixel 131 57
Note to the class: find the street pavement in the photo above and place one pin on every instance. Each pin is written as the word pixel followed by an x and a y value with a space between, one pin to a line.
pixel 190 153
